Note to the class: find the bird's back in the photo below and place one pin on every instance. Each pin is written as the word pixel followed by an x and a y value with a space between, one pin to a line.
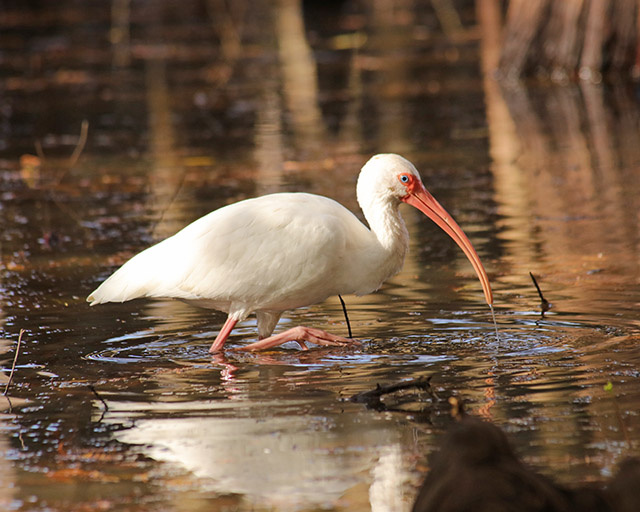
pixel 273 252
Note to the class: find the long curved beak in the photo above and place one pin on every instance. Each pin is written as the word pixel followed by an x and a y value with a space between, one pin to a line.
pixel 421 199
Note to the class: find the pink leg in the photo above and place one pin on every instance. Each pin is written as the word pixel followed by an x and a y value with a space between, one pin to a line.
pixel 222 336
pixel 301 335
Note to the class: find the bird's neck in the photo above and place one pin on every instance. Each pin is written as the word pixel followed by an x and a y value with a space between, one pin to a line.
pixel 389 228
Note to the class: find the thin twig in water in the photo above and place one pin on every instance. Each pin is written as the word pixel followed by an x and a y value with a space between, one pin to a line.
pixel 13 366
pixel 346 317
pixel 39 151
pixel 73 159
pixel 93 390
pixel 171 200
pixel 545 305
pixel 82 141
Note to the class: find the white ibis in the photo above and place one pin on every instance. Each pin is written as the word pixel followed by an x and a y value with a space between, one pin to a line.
pixel 287 250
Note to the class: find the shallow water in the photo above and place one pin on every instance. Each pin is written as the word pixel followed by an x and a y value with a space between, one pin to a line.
pixel 120 407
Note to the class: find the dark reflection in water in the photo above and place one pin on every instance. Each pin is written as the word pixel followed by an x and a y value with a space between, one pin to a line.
pixel 192 105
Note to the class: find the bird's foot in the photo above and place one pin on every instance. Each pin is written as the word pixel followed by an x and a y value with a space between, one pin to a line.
pixel 301 335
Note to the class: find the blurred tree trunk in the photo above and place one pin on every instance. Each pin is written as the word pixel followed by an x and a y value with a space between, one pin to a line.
pixel 570 39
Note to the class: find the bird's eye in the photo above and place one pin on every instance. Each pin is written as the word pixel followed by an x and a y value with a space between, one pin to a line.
pixel 404 178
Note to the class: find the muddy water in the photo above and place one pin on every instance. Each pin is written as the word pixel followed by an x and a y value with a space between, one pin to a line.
pixel 120 407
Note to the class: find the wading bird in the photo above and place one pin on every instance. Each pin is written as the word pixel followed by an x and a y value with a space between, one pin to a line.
pixel 287 250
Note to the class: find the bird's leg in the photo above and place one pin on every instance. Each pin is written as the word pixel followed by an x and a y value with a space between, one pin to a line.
pixel 222 336
pixel 346 317
pixel 301 335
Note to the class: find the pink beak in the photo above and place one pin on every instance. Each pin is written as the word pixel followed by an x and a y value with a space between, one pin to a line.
pixel 421 199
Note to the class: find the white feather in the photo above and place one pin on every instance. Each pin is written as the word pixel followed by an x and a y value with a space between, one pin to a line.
pixel 276 252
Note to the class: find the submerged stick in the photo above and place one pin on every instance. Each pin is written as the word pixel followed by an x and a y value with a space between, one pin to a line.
pixel 77 151
pixel 39 151
pixel 545 305
pixel 95 393
pixel 13 366
pixel 346 317
pixel 373 395
pixel 84 130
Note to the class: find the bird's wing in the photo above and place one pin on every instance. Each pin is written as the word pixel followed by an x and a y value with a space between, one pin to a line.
pixel 273 252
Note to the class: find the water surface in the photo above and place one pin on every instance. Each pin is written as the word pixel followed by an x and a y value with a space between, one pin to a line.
pixel 192 106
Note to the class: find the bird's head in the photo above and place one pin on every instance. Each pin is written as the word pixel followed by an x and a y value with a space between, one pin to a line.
pixel 388 179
